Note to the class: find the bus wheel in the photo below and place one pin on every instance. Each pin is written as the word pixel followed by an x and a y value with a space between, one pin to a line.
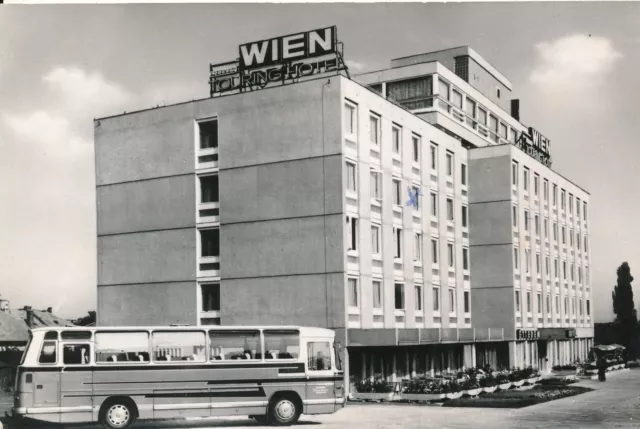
pixel 118 414
pixel 284 411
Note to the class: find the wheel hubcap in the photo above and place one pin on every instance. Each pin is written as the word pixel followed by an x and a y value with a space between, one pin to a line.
pixel 285 409
pixel 118 415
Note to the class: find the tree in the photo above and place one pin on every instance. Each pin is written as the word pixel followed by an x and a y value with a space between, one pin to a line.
pixel 623 307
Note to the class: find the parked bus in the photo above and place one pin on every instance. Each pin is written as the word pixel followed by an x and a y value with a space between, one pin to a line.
pixel 117 375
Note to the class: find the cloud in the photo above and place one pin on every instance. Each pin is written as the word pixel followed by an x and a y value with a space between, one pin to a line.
pixel 574 62
pixel 355 66
pixel 86 93
pixel 42 126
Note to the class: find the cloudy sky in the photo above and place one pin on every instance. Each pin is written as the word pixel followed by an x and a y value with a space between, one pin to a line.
pixel 574 66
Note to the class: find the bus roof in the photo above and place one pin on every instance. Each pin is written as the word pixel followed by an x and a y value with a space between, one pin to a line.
pixel 304 330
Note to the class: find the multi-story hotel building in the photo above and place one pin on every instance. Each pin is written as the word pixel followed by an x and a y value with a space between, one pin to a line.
pixel 394 208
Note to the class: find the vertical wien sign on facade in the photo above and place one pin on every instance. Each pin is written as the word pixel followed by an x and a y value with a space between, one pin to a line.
pixel 278 61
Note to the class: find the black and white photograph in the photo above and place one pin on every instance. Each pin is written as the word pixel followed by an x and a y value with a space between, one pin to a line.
pixel 360 215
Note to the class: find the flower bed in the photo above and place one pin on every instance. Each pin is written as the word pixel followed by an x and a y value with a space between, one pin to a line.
pixel 519 398
pixel 472 382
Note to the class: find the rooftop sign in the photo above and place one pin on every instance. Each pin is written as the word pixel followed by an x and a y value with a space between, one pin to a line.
pixel 278 61
pixel 535 145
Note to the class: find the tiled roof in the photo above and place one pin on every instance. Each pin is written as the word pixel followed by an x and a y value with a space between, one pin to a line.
pixel 13 324
pixel 41 318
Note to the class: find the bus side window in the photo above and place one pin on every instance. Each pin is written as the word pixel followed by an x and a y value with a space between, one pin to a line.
pixel 319 356
pixel 75 354
pixel 48 352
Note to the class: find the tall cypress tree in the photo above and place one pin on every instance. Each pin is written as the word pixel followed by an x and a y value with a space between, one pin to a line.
pixel 623 307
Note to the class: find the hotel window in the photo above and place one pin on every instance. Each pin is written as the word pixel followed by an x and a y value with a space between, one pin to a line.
pixel 564 235
pixel 375 239
pixel 208 134
pixel 573 305
pixel 513 135
pixel 434 250
pixel 527 259
pixel 397 241
pixel 209 189
pixel 563 197
pixel 351 177
pixel 374 129
pixel 517 301
pixel 584 212
pixel 210 242
pixel 528 302
pixel 526 220
pixel 418 297
pixel 514 211
pixel 353 292
pixel 580 307
pixel 536 224
pixel 546 265
pixel 579 275
pixel 470 108
pixel 547 303
pixel 525 178
pixel 539 303
pixel 498 92
pixel 586 275
pixel 566 304
pixel 434 204
pixel 350 118
pixel 417 251
pixel 434 156
pixel 463 174
pixel 555 231
pixel 555 267
pixel 564 270
pixel 493 124
pixel 465 258
pixel 482 116
pixel 571 203
pixel 396 138
pixel 514 173
pixel 449 164
pixel 377 293
pixel 352 232
pixel 415 190
pixel 465 214
pixel 545 190
pixel 588 308
pixel 397 192
pixel 451 257
pixel 456 99
pixel 503 131
pixel 546 227
pixel 571 237
pixel 578 240
pixel 571 272
pixel 436 298
pixel 555 194
pixel 449 209
pixel 399 296
pixel 467 302
pixel 415 140
pixel 376 185
pixel 443 89
pixel 578 207
pixel 515 258
pixel 536 184
pixel 210 294
pixel 585 243
pixel 538 267
pixel 557 308
pixel 452 300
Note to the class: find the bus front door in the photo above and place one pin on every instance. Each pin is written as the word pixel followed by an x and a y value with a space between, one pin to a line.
pixel 46 383
pixel 320 395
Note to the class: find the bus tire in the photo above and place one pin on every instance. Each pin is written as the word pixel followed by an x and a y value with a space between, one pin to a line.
pixel 118 413
pixel 284 410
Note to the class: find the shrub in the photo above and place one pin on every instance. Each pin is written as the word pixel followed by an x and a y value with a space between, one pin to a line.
pixel 374 385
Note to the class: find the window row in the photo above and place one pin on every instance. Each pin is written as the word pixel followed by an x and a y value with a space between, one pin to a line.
pixel 586 309
pixel 527 221
pixel 572 270
pixel 399 296
pixel 580 206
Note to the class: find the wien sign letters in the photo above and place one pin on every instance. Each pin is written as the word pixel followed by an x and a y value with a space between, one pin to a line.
pixel 536 146
pixel 280 60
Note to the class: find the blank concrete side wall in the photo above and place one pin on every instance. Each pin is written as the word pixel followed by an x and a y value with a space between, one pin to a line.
pixel 484 82
pixel 490 223
pixel 489 178
pixel 281 190
pixel 129 304
pixel 147 257
pixel 284 300
pixel 152 143
pixel 493 307
pixel 280 247
pixel 147 205
pixel 277 124
pixel 491 266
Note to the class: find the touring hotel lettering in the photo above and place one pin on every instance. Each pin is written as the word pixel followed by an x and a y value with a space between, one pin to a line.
pixel 280 60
